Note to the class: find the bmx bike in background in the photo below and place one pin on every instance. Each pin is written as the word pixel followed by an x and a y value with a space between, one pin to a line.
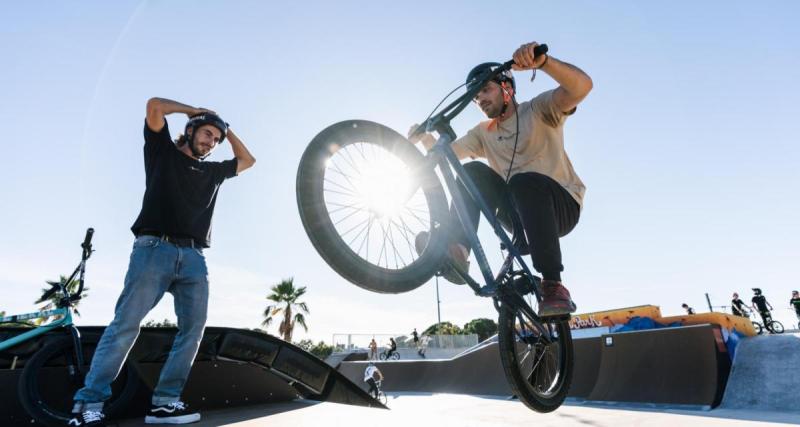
pixel 365 193
pixel 381 397
pixel 385 355
pixel 772 326
pixel 56 371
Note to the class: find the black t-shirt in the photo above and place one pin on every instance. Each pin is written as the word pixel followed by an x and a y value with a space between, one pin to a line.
pixel 761 302
pixel 180 191
pixel 796 303
pixel 736 306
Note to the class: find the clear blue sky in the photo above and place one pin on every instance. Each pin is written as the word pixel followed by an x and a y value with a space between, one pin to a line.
pixel 688 143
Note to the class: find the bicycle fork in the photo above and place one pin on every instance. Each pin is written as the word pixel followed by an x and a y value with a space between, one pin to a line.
pixel 76 370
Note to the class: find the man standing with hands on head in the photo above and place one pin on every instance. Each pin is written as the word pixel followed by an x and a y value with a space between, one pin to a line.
pixel 172 230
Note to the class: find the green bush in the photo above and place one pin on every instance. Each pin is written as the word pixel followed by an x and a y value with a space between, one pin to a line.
pixel 482 327
pixel 444 328
pixel 320 349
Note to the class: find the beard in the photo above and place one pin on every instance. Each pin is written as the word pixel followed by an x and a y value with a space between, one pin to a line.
pixel 493 110
pixel 197 149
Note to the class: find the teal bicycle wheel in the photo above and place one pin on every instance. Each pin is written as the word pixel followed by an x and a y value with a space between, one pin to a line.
pixel 51 377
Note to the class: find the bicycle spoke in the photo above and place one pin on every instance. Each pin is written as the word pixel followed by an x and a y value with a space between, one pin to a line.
pixel 356 201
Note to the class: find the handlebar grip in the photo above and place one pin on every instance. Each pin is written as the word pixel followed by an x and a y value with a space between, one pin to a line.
pixel 537 51
pixel 88 239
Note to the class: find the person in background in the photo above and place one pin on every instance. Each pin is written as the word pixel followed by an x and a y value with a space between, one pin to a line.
pixel 373 350
pixel 371 375
pixel 738 307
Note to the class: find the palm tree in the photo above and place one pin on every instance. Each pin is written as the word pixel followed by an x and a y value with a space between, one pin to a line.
pixel 285 293
pixel 53 300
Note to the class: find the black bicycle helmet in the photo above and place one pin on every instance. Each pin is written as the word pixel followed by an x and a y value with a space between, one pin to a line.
pixel 757 291
pixel 207 119
pixel 481 70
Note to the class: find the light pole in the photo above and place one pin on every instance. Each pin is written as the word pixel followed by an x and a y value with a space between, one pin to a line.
pixel 438 303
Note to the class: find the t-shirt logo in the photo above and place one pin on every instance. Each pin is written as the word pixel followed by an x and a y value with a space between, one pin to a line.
pixel 196 169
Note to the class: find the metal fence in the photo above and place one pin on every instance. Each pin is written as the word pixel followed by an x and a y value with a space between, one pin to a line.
pixel 350 342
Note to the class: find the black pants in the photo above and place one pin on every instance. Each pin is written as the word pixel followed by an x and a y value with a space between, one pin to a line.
pixel 530 201
pixel 373 387
pixel 766 317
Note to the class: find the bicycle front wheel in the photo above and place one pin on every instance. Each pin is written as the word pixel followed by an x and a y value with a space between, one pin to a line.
pixel 538 369
pixel 382 398
pixel 363 200
pixel 759 329
pixel 51 377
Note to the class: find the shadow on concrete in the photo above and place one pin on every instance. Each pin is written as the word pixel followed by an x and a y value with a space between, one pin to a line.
pixel 235 415
pixel 786 417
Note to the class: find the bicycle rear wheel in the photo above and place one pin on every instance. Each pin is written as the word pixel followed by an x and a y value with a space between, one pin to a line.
pixel 353 193
pixel 51 378
pixel 776 327
pixel 539 372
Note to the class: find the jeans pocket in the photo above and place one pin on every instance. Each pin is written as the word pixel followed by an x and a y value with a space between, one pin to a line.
pixel 146 242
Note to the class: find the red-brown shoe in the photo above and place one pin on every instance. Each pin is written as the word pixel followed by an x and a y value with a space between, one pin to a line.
pixel 556 300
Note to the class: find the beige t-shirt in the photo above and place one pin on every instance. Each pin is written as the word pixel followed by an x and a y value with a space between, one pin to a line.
pixel 540 147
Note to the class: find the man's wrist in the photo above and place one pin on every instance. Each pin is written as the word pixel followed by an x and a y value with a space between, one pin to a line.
pixel 546 58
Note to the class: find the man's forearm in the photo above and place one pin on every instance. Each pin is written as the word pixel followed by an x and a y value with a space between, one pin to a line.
pixel 576 82
pixel 168 106
pixel 244 159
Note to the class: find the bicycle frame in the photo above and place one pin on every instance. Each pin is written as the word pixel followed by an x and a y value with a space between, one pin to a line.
pixel 65 321
pixel 443 156
pixel 64 308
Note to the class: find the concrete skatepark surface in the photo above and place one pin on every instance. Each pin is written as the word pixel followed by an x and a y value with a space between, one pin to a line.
pixel 765 374
pixel 444 410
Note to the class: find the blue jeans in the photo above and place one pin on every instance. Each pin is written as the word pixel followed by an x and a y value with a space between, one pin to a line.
pixel 156 267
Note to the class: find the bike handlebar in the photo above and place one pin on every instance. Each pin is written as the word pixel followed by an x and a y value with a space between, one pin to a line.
pixel 87 241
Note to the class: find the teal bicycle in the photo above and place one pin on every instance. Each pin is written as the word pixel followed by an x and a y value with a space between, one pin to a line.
pixel 56 370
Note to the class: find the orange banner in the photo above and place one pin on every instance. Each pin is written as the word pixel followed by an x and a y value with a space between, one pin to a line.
pixel 610 318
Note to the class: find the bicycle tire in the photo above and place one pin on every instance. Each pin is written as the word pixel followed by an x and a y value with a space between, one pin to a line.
pixel 369 138
pixel 759 329
pixel 395 356
pixel 519 346
pixel 382 356
pixel 776 327
pixel 382 398
pixel 49 382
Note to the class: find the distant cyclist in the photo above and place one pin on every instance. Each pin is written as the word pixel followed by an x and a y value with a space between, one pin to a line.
pixel 689 310
pixel 761 305
pixel 415 336
pixel 738 307
pixel 392 348
pixel 795 303
pixel 370 375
